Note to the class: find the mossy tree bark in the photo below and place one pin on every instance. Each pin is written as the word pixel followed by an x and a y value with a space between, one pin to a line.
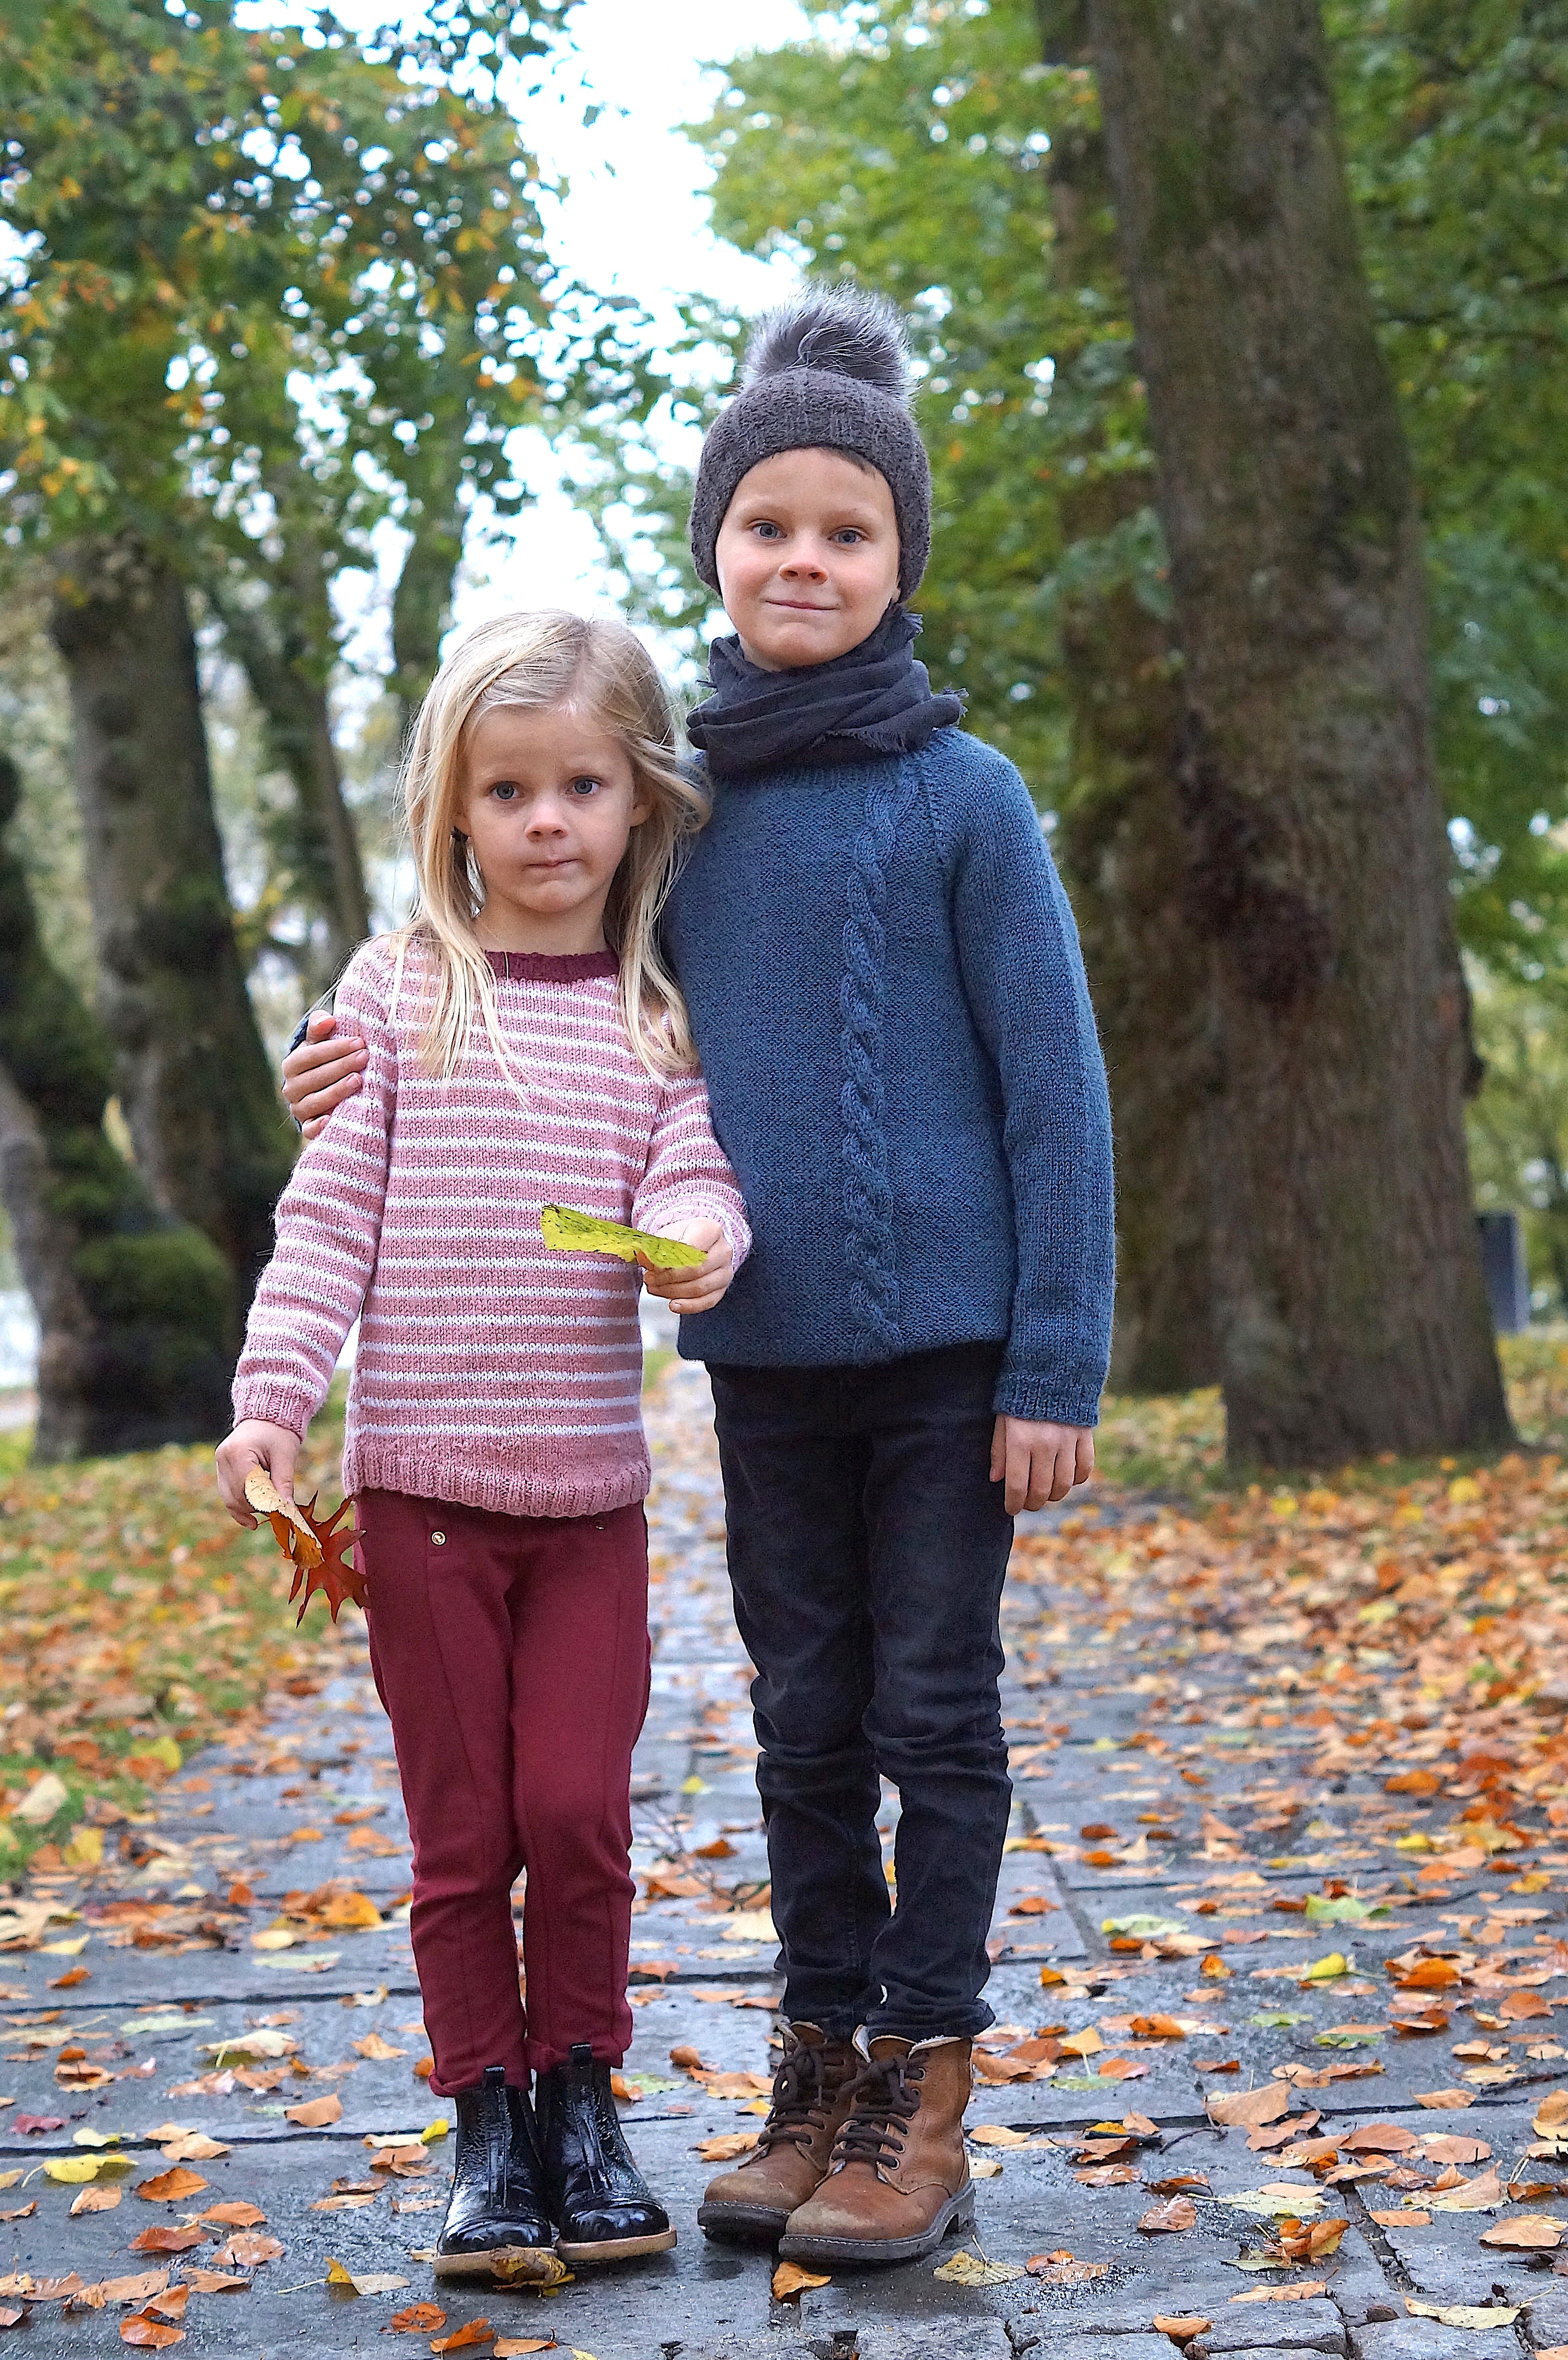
pixel 211 1142
pixel 1123 854
pixel 283 642
pixel 1348 1296
pixel 136 1310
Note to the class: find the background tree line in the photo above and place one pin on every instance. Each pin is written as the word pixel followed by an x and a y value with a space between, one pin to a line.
pixel 277 291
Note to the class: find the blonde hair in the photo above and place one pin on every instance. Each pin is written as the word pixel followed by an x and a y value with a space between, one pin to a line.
pixel 537 661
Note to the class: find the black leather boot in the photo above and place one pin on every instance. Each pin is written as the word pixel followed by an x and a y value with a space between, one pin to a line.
pixel 606 2210
pixel 497 2203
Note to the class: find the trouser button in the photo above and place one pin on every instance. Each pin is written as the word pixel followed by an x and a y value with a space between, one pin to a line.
pixel 439 1539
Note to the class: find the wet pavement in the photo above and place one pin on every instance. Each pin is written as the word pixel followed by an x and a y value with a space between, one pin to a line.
pixel 245 1952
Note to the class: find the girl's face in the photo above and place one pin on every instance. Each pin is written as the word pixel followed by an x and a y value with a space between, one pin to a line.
pixel 807 558
pixel 549 803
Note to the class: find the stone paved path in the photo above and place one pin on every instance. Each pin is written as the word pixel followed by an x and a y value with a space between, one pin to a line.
pixel 1112 1731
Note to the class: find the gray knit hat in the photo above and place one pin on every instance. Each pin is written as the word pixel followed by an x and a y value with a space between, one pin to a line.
pixel 829 371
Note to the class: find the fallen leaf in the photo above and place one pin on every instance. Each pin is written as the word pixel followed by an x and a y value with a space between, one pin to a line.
pixel 1063 2268
pixel 374 2047
pixel 727 2146
pixel 1162 2220
pixel 246 2250
pixel 968 2269
pixel 235 2214
pixel 790 2281
pixel 530 2266
pixel 1248 2107
pixel 1445 2101
pixel 149 2332
pixel 167 2186
pixel 214 2281
pixel 1303 2290
pixel 1485 2193
pixel 1464 2314
pixel 95 2200
pixel 165 2240
pixel 478 2330
pixel 419 2319
pixel 997 2135
pixel 1180 2331
pixel 1524 2233
pixel 314 2114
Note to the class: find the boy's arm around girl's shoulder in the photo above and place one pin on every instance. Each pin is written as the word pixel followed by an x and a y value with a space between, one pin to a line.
pixel 1023 975
pixel 328 1224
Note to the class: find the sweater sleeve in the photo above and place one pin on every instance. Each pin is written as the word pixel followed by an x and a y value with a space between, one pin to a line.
pixel 1023 975
pixel 329 1227
pixel 687 1176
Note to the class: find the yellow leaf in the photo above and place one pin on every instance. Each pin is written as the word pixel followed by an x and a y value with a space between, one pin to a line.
pixel 571 1232
pixel 968 2269
pixel 1464 2314
pixel 1325 1971
pixel 790 2281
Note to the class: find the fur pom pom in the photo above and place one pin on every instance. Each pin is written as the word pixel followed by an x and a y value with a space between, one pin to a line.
pixel 841 328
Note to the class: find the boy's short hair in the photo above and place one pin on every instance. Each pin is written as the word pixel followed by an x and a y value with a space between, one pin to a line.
pixel 828 372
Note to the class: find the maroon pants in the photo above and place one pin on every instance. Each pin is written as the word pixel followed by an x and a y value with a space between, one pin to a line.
pixel 511 1653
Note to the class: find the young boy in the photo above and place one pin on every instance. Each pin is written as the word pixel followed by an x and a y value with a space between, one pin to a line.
pixel 888 1002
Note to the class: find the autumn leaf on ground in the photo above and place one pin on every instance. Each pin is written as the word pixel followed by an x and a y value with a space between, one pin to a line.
pixel 374 2047
pixel 1063 2268
pixel 1177 2212
pixel 520 2266
pixel 236 2215
pixel 1524 2233
pixel 150 2334
pixel 727 2146
pixel 1464 2314
pixel 970 2269
pixel 168 2186
pixel 246 2250
pixel 1180 2329
pixel 1248 2107
pixel 1304 2291
pixel 419 2319
pixel 1445 2101
pixel 478 2330
pixel 314 2114
pixel 791 2281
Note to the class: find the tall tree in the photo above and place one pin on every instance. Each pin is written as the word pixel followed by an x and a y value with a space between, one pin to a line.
pixel 1348 1295
pixel 135 1311
pixel 200 204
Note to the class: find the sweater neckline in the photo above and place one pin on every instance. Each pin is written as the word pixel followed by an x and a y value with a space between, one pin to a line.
pixel 552 966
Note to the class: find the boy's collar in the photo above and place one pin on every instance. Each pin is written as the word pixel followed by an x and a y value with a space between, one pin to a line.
pixel 872 702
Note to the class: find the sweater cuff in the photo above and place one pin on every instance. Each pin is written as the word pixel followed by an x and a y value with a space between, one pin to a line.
pixel 275 1404
pixel 1025 1393
pixel 692 1208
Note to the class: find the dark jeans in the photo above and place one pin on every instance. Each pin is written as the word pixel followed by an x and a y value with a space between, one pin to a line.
pixel 868 1547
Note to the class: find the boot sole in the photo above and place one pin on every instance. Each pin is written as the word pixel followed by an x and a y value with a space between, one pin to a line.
pixel 616 2249
pixel 479 2263
pixel 957 2213
pixel 748 2224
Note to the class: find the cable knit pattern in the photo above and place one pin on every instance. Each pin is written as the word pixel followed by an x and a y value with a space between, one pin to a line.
pixel 490 1369
pixel 889 1004
pixel 868 1246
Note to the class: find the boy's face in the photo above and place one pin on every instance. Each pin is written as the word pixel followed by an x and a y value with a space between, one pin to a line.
pixel 808 558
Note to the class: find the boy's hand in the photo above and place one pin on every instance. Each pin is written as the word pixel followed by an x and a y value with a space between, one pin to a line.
pixel 701 1285
pixel 253 1443
pixel 320 1074
pixel 1039 1461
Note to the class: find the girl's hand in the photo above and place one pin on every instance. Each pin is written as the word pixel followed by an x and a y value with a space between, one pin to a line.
pixel 253 1443
pixel 318 1074
pixel 1039 1461
pixel 700 1286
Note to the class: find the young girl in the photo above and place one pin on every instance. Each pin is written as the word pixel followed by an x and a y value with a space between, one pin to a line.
pixel 526 1047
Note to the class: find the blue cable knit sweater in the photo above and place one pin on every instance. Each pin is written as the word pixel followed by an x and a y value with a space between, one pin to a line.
pixel 889 1005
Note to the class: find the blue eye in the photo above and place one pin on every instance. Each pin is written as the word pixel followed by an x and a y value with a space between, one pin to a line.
pixel 767 531
pixel 504 791
pixel 585 786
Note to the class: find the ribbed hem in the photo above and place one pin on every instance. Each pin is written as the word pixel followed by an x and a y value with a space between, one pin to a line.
pixel 1035 1398
pixel 689 1209
pixel 276 1405
pixel 371 1464
pixel 552 966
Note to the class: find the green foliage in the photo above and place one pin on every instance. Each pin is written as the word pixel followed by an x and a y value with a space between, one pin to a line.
pixel 920 147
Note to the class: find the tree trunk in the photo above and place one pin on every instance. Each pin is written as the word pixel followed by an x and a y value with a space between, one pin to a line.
pixel 280 641
pixel 135 1311
pixel 421 604
pixel 1123 855
pixel 211 1140
pixel 1349 1301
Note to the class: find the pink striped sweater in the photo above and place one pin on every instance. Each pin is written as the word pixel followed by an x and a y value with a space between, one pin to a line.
pixel 490 1369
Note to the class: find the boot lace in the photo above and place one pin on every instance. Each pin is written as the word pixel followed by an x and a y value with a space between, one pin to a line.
pixel 800 2096
pixel 883 2102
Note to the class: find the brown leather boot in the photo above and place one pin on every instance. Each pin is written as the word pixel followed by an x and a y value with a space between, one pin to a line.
pixel 811 2099
pixel 899 2180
